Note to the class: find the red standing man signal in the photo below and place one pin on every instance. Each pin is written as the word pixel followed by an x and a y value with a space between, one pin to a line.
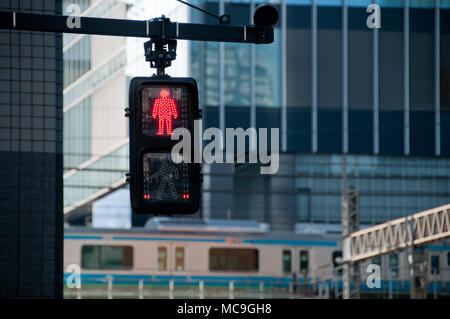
pixel 163 109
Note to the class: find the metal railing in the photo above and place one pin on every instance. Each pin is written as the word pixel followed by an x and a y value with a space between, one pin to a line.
pixel 110 288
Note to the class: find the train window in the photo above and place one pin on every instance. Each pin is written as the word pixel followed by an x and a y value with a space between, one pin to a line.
pixel 286 261
pixel 303 260
pixel 107 257
pixel 233 259
pixel 393 264
pixel 435 264
pixel 448 259
pixel 336 257
pixel 162 258
pixel 179 258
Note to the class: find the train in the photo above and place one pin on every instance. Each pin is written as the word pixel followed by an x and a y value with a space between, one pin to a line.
pixel 220 251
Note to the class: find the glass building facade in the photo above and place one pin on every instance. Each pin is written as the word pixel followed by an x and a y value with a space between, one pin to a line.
pixel 337 90
pixel 95 90
pixel 97 71
pixel 376 99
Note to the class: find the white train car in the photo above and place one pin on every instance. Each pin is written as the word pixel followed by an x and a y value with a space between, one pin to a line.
pixel 218 252
pixel 185 251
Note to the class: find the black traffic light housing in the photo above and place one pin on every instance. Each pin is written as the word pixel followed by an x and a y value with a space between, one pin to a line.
pixel 157 184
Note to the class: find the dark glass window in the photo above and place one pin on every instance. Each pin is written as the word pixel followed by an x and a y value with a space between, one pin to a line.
pixel 391 82
pixel 298 56
pixel 444 74
pixel 421 68
pixel 107 257
pixel 299 78
pixel 233 259
pixel 286 260
pixel 268 118
pixel 329 79
pixel 435 260
pixel 360 82
pixel 329 58
pixel 303 260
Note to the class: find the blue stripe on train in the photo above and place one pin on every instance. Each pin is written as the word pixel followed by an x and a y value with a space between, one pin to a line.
pixel 82 237
pixel 220 240
pixel 215 240
pixel 291 242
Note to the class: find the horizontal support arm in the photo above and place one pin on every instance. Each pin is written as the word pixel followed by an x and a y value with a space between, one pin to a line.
pixel 57 23
pixel 135 28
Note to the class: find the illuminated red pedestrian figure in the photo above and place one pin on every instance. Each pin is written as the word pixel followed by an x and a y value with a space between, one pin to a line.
pixel 163 109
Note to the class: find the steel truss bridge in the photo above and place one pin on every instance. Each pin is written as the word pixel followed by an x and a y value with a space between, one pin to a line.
pixel 398 234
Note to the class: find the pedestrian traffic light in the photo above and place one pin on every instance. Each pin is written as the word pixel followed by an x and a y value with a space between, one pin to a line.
pixel 158 183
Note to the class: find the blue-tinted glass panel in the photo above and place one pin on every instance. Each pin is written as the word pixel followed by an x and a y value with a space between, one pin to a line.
pixel 268 118
pixel 268 72
pixel 299 78
pixel 237 117
pixel 391 132
pixel 422 133
pixel 391 82
pixel 360 82
pixel 299 129
pixel 298 57
pixel 237 61
pixel 445 81
pixel 329 79
pixel 329 58
pixel 360 133
pixel 329 131
pixel 210 117
pixel 77 60
pixel 77 134
pixel 422 81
